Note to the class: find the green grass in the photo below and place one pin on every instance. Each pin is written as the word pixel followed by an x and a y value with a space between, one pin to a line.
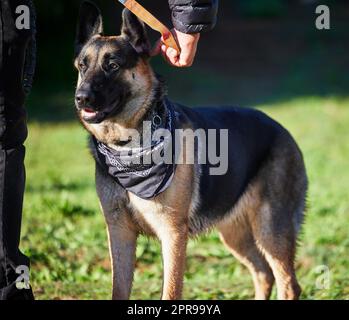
pixel 64 232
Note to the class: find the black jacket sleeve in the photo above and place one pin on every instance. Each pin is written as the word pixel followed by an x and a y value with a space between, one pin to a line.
pixel 193 16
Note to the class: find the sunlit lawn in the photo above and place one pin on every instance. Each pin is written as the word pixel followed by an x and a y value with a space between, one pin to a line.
pixel 64 232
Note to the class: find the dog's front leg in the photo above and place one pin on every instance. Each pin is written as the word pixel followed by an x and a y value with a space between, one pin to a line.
pixel 122 246
pixel 174 244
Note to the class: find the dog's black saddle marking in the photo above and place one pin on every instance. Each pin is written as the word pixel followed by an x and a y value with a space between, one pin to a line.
pixel 251 135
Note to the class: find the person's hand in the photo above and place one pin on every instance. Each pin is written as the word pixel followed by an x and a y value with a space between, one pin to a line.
pixel 188 44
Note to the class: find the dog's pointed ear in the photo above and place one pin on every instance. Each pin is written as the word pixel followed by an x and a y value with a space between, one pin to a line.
pixel 90 23
pixel 134 30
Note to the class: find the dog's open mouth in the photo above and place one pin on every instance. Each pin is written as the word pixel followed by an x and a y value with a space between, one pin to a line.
pixel 91 115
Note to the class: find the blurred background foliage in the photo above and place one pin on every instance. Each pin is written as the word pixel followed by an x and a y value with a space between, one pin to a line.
pixel 262 53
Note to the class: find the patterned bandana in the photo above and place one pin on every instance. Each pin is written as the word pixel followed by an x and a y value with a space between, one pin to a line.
pixel 135 169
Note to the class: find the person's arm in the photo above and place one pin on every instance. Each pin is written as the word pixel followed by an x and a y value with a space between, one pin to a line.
pixel 190 18
pixel 193 16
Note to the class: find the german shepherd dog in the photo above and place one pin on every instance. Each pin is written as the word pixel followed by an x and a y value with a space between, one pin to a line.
pixel 257 206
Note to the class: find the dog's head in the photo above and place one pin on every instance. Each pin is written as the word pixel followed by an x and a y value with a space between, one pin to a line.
pixel 114 73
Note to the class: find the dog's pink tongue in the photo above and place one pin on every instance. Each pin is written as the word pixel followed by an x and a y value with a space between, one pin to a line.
pixel 88 110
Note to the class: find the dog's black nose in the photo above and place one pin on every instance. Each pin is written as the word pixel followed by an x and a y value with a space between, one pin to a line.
pixel 83 98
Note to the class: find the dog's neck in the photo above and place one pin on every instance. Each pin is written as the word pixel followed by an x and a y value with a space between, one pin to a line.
pixel 114 132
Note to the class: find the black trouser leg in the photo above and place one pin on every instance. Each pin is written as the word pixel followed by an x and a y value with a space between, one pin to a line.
pixel 12 181
pixel 13 132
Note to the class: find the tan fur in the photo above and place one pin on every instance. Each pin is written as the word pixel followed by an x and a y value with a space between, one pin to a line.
pixel 279 253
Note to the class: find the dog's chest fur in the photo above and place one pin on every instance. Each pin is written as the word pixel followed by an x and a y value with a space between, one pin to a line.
pixel 171 208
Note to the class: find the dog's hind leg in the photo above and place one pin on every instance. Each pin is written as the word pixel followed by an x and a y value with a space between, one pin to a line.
pixel 277 221
pixel 237 236
pixel 278 247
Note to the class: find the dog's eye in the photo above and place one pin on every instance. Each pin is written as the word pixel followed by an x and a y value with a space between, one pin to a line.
pixel 113 66
pixel 82 66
